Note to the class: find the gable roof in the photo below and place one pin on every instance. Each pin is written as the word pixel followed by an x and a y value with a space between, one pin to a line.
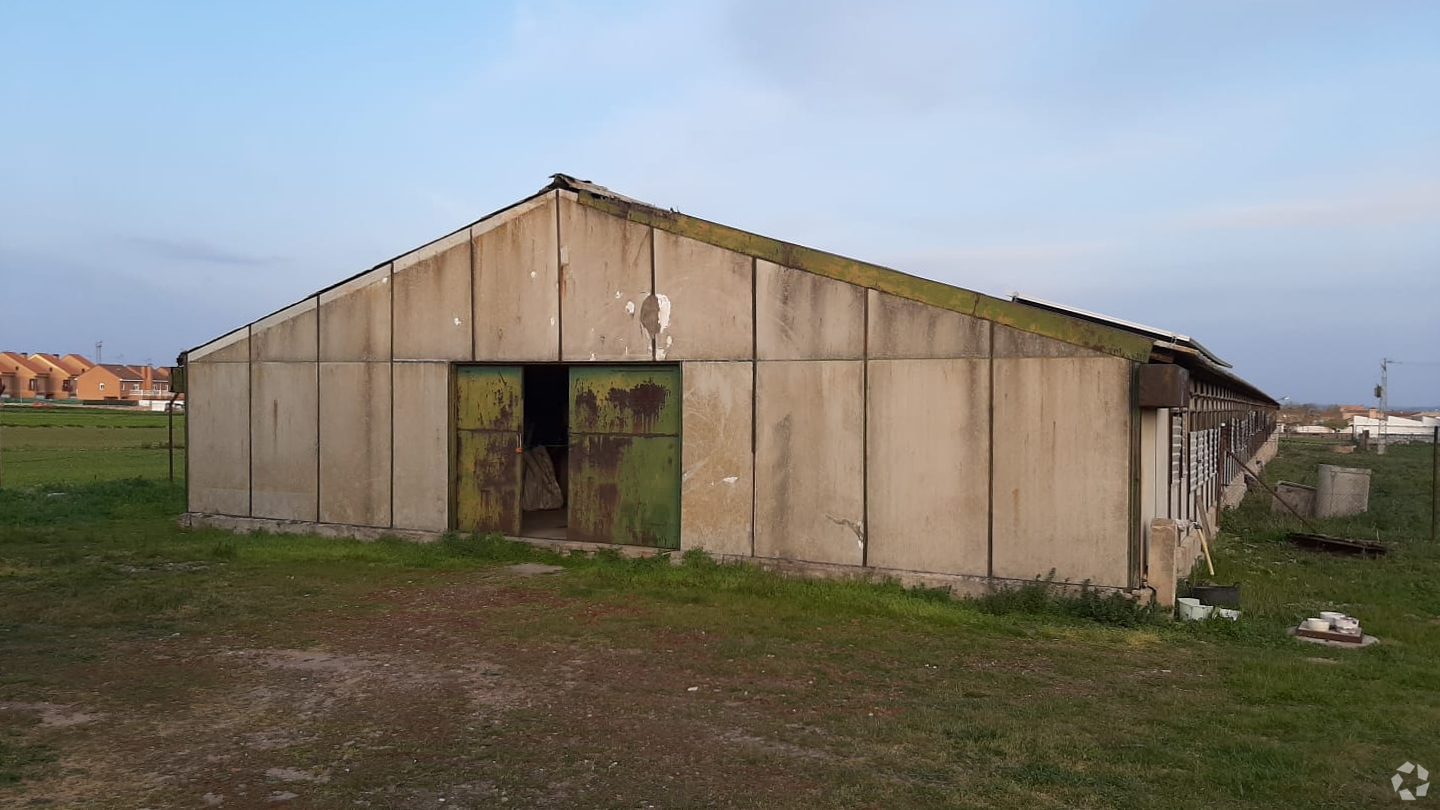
pixel 1106 335
pixel 78 359
pixel 56 362
pixel 120 372
pixel 15 360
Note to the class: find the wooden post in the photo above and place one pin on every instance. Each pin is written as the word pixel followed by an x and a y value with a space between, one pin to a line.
pixel 1434 479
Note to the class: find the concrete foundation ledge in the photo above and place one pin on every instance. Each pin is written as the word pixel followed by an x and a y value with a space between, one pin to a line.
pixel 961 585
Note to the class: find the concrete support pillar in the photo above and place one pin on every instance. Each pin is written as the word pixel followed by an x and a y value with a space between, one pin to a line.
pixel 1160 563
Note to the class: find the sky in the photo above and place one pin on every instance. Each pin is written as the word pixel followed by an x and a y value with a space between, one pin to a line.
pixel 1263 175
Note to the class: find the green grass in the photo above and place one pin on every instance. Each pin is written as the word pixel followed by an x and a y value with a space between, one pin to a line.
pixel 66 444
pixel 830 693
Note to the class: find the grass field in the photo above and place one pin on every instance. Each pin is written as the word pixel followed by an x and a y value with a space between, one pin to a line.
pixel 145 665
pixel 71 445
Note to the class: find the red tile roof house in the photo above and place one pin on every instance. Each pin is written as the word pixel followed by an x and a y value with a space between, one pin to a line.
pixel 110 381
pixel 61 383
pixel 22 379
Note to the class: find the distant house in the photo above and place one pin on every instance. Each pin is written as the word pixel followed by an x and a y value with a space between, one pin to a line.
pixel 119 382
pixel 22 378
pixel 1312 429
pixel 109 381
pixel 1395 427
pixel 60 383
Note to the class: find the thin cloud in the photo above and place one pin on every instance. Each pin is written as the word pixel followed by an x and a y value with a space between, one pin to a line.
pixel 1399 206
pixel 198 251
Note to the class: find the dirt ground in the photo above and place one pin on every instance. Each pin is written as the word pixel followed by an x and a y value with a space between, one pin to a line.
pixel 382 705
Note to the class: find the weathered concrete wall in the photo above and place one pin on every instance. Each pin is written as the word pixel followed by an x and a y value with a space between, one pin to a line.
pixel 717 485
pixel 231 348
pixel 284 436
pixel 288 335
pixel 422 445
pixel 355 443
pixel 809 457
pixel 901 328
pixel 709 290
pixel 432 304
pixel 355 318
pixel 1062 468
pixel 517 295
pixel 605 267
pixel 218 437
pixel 802 316
pixel 928 465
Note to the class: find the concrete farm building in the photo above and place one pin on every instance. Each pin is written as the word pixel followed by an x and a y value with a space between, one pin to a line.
pixel 582 368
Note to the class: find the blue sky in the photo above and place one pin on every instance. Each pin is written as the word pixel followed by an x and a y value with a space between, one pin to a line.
pixel 1262 175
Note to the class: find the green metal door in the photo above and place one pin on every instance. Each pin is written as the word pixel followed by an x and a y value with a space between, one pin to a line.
pixel 625 455
pixel 488 416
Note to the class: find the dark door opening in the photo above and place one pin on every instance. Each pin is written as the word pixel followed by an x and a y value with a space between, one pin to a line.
pixel 544 500
pixel 568 452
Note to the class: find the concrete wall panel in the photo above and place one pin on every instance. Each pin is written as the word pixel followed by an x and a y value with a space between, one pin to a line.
pixel 284 440
pixel 1012 342
pixel 432 301
pixel 219 438
pixel 901 328
pixel 928 465
pixel 287 336
pixel 717 486
pixel 355 318
pixel 605 288
pixel 802 316
pixel 422 446
pixel 809 454
pixel 1062 468
pixel 231 348
pixel 709 291
pixel 355 443
pixel 517 294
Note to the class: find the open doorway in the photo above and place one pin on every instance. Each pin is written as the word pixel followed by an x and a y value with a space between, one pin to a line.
pixel 544 494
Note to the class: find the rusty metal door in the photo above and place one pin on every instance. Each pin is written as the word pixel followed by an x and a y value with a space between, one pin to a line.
pixel 625 455
pixel 488 416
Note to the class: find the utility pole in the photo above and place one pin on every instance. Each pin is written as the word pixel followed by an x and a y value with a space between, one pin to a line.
pixel 99 358
pixel 1384 394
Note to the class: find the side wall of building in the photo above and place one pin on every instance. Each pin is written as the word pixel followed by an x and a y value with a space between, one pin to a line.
pixel 823 422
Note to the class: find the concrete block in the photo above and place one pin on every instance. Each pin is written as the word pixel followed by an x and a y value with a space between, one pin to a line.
pixel 289 335
pixel 802 316
pixel 284 434
pixel 421 448
pixel 355 318
pixel 1161 561
pixel 1342 491
pixel 219 437
pixel 1062 468
pixel 928 465
pixel 709 290
pixel 605 289
pixel 901 328
pixel 809 457
pixel 355 443
pixel 717 467
pixel 517 284
pixel 1301 499
pixel 431 288
pixel 1012 342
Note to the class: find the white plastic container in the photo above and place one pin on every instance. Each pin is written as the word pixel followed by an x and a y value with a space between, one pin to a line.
pixel 1192 610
